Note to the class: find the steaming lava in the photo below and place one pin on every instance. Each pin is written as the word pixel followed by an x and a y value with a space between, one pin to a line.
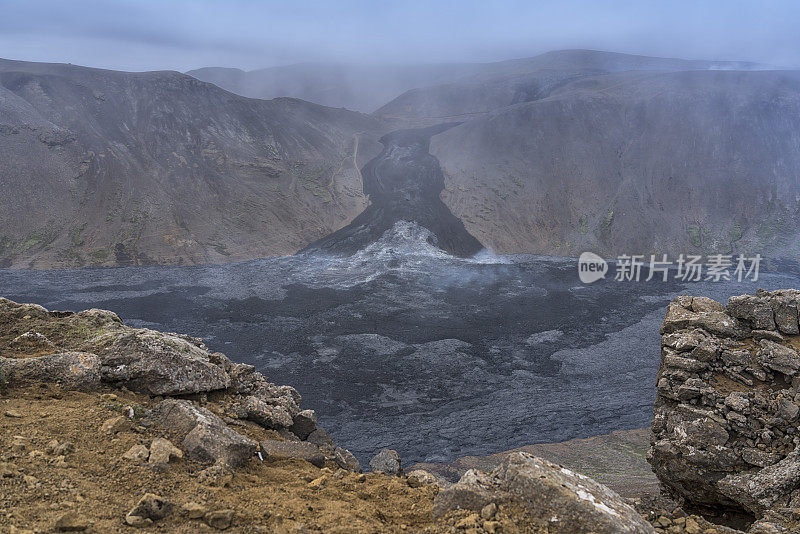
pixel 403 183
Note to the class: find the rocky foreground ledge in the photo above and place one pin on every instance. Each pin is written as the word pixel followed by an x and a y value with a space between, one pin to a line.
pixel 107 428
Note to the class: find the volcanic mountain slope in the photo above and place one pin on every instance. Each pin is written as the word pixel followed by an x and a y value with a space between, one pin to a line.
pixel 101 167
pixel 363 88
pixel 368 87
pixel 494 85
pixel 636 163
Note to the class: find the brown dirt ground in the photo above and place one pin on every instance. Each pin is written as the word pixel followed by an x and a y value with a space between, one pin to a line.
pixel 97 483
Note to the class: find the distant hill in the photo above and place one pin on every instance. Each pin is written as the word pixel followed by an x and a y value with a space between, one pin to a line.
pixel 362 88
pixel 560 153
pixel 101 167
pixel 367 88
pixel 495 85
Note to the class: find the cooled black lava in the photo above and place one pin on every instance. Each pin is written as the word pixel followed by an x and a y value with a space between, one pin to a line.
pixel 404 346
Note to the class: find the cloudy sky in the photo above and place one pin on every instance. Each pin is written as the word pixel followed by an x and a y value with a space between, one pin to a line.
pixel 186 34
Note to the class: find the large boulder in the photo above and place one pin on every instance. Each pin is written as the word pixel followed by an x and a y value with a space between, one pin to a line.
pixel 203 435
pixel 725 426
pixel 156 363
pixel 71 370
pixel 562 501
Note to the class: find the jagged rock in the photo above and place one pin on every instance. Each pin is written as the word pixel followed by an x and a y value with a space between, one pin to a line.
pixel 179 416
pixel 569 503
pixel 156 363
pixel 194 510
pixel 420 477
pixel 137 453
pixel 71 522
pixel 96 317
pixel 220 520
pixel 162 451
pixel 211 442
pixel 54 448
pixel 780 358
pixel 266 415
pixel 756 310
pixel 149 508
pixel 320 438
pixel 203 434
pixel 115 425
pixel 304 423
pixel 387 461
pixel 71 370
pixel 758 491
pixel 346 460
pixel 725 433
pixel 293 449
pixel 11 310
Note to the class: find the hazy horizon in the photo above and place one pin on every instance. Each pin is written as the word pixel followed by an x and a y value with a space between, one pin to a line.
pixel 248 34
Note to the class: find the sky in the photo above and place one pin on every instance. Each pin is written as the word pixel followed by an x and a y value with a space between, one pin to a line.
pixel 186 34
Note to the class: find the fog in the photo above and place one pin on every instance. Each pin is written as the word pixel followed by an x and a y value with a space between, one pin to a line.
pixel 250 34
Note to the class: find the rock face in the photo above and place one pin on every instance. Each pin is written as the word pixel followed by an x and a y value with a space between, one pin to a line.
pixel 555 497
pixel 725 427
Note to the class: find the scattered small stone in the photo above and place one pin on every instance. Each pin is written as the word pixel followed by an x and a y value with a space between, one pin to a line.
pixel 220 520
pixel 115 425
pixel 162 451
pixel 19 444
pixel 54 448
pixel 137 453
pixel 149 508
pixel 419 478
pixel 346 460
pixel 318 482
pixel 489 511
pixel 14 414
pixel 71 522
pixel 194 510
pixel 471 521
pixel 387 461
pixel 218 475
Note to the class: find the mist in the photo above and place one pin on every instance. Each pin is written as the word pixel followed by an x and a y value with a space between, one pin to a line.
pixel 248 34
